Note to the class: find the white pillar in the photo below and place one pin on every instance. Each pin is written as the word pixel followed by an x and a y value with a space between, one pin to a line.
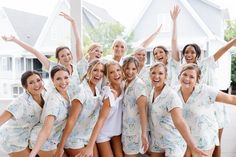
pixel 76 13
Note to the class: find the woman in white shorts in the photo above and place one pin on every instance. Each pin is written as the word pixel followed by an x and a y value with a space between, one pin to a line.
pixel 109 138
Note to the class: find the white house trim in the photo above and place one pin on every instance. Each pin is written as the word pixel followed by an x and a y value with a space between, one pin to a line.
pixel 141 14
pixel 92 13
pixel 198 19
pixel 48 24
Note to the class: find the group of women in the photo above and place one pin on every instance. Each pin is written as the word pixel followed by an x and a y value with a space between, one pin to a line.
pixel 117 107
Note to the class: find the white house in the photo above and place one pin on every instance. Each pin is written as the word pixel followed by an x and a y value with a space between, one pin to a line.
pixel 200 21
pixel 45 33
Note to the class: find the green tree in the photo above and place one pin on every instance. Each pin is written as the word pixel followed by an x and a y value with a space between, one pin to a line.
pixel 230 33
pixel 233 68
pixel 105 33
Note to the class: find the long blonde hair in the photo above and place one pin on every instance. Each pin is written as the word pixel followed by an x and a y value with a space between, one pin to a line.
pixel 91 66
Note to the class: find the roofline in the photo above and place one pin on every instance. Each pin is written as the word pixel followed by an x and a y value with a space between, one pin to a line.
pixel 91 12
pixel 141 13
pixel 48 24
pixel 198 19
pixel 212 4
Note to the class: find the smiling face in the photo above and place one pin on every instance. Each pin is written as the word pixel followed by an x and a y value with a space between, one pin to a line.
pixel 61 81
pixel 96 73
pixel 119 49
pixel 114 74
pixel 190 54
pixel 64 57
pixel 141 56
pixel 34 85
pixel 188 79
pixel 95 53
pixel 160 55
pixel 130 71
pixel 158 76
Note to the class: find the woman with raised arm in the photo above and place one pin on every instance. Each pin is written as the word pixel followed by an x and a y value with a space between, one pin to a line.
pixel 94 52
pixel 168 129
pixel 118 50
pixel 45 136
pixel 161 54
pixel 192 54
pixel 80 134
pixel 140 54
pixel 199 108
pixel 63 53
pixel 23 113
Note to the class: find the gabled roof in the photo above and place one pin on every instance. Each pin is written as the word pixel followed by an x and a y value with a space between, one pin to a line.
pixel 28 26
pixel 213 4
pixel 191 11
pixel 98 12
pixel 197 18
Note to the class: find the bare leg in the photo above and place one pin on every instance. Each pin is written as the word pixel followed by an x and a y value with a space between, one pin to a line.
pixel 72 152
pixel 208 152
pixel 46 153
pixel 117 146
pixel 157 154
pixel 95 151
pixel 217 151
pixel 105 149
pixel 131 155
pixel 187 153
pixel 23 153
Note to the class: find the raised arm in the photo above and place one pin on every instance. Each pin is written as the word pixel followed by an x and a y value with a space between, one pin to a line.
pixel 4 117
pixel 142 104
pixel 174 45
pixel 180 124
pixel 224 49
pixel 43 135
pixel 79 53
pixel 88 150
pixel 226 98
pixel 43 59
pixel 150 38
pixel 73 116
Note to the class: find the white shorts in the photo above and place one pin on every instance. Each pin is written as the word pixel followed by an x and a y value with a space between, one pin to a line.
pixel 103 138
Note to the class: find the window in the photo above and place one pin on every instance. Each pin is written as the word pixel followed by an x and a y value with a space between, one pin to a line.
pixel 6 63
pixel 17 90
pixel 19 65
pixel 29 64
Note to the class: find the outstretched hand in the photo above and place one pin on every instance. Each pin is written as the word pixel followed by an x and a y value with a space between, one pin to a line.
pixel 9 38
pixel 66 16
pixel 175 12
